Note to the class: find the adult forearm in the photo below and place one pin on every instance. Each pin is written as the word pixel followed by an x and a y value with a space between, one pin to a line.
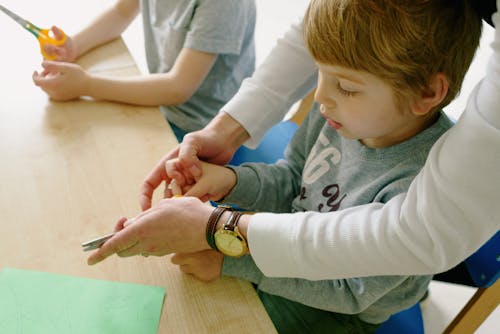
pixel 451 209
pixel 487 100
pixel 287 74
pixel 429 233
pixel 228 128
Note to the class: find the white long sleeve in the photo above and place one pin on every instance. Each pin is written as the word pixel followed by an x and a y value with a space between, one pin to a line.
pixel 450 210
pixel 285 76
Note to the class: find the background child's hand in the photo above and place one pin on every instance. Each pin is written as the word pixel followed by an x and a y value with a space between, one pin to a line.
pixel 65 52
pixel 214 183
pixel 62 81
pixel 204 265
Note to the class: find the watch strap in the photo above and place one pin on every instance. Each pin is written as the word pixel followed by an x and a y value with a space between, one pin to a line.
pixel 232 222
pixel 212 224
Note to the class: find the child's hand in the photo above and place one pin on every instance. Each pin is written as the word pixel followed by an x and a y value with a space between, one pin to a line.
pixel 65 52
pixel 214 183
pixel 62 81
pixel 204 265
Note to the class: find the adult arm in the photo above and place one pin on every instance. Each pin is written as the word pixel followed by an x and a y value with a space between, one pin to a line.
pixel 450 210
pixel 286 75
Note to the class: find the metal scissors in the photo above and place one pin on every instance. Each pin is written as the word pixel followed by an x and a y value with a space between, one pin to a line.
pixel 98 242
pixel 43 35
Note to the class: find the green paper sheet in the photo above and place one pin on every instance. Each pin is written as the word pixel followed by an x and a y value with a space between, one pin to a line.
pixel 38 302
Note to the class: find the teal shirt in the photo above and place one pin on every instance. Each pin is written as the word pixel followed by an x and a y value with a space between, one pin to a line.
pixel 222 27
pixel 326 172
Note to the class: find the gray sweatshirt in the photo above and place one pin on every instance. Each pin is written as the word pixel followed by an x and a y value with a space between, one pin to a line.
pixel 324 172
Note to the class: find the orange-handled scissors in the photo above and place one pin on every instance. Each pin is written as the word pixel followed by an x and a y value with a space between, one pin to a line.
pixel 43 35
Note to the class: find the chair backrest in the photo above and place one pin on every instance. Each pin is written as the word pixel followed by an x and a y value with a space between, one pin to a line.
pixel 484 268
pixel 484 264
pixel 271 148
pixel 408 321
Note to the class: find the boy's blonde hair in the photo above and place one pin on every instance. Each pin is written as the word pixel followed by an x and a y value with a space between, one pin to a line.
pixel 402 42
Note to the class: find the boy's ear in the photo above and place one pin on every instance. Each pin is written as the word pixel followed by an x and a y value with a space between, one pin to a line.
pixel 432 96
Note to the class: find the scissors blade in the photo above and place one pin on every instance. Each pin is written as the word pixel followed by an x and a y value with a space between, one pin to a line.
pixel 96 243
pixel 25 24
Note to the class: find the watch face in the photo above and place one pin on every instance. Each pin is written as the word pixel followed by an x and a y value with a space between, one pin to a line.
pixel 229 243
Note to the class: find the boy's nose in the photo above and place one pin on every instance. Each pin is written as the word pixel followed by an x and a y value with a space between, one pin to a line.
pixel 322 98
pixel 321 94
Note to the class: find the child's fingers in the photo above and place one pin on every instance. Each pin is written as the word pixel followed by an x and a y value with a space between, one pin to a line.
pixel 52 66
pixel 167 193
pixel 44 73
pixel 58 33
pixel 172 170
pixel 186 188
pixel 203 191
pixel 188 157
pixel 36 77
pixel 59 52
pixel 175 188
pixel 40 79
pixel 188 176
pixel 50 49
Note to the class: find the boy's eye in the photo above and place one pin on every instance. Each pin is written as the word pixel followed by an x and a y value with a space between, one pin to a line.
pixel 343 91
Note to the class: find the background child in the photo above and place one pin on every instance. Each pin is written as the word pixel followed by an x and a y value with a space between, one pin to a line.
pixel 386 69
pixel 198 52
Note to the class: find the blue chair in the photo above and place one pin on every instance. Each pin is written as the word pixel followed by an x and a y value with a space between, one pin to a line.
pixel 484 264
pixel 408 321
pixel 484 268
pixel 271 148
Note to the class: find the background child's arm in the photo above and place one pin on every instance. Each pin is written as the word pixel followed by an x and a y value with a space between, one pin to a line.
pixel 107 26
pixel 171 88
pixel 64 81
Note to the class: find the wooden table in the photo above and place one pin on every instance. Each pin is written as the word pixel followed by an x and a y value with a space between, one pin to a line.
pixel 69 170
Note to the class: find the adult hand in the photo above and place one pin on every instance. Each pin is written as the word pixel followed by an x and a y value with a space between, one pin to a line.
pixel 174 225
pixel 216 143
pixel 62 81
pixel 66 52
pixel 204 265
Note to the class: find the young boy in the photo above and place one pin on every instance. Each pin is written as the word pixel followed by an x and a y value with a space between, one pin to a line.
pixel 198 53
pixel 386 69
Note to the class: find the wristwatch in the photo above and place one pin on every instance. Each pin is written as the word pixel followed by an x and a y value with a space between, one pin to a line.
pixel 228 239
